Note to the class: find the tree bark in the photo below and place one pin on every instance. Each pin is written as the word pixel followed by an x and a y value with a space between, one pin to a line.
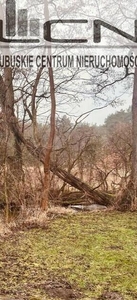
pixel 8 105
pixel 127 199
pixel 134 142
pixel 47 158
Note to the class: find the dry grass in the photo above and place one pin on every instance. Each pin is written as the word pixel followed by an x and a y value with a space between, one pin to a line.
pixel 32 217
pixel 58 210
pixel 5 229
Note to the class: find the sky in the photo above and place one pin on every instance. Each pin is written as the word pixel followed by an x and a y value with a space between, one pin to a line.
pixel 116 13
pixel 98 116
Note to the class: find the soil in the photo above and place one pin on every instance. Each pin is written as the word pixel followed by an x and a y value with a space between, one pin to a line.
pixel 111 296
pixel 60 289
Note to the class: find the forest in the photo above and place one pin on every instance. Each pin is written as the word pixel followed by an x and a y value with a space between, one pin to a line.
pixel 68 150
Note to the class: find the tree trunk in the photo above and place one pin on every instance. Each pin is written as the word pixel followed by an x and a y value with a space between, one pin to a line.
pixel 18 168
pixel 127 199
pixel 47 158
pixel 134 143
pixel 9 111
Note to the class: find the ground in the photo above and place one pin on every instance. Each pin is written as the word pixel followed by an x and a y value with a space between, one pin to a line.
pixel 81 256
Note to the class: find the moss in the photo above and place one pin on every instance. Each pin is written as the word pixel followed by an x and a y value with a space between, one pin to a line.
pixel 92 252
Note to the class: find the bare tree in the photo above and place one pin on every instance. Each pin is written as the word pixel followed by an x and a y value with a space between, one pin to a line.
pixel 44 203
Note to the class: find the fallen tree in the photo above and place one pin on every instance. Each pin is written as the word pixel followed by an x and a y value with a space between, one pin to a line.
pixel 7 105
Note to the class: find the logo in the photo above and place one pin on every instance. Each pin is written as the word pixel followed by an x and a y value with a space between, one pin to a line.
pixel 28 30
pixel 22 25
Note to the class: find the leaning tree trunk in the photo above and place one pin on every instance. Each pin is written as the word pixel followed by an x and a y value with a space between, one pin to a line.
pixel 97 196
pixel 127 199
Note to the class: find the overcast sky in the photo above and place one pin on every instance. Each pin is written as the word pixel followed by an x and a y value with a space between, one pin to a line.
pixel 98 116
